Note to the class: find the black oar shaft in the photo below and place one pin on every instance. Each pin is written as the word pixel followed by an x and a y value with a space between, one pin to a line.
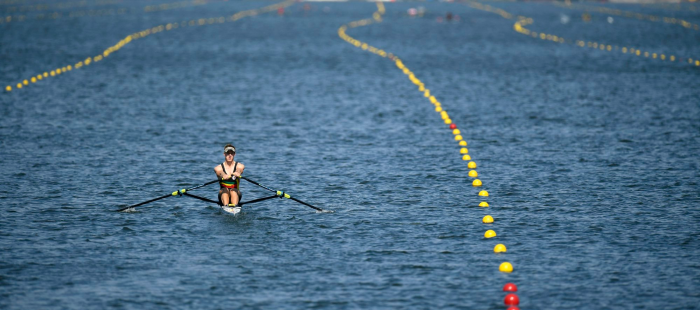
pixel 145 202
pixel 166 196
pixel 257 200
pixel 258 184
pixel 203 185
pixel 201 198
pixel 281 194
pixel 304 203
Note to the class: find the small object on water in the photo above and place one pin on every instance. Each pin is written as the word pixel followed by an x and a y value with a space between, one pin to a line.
pixel 511 300
pixel 564 19
pixel 506 267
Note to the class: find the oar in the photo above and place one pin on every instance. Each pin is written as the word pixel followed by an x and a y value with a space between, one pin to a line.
pixel 175 193
pixel 201 198
pixel 281 194
pixel 258 200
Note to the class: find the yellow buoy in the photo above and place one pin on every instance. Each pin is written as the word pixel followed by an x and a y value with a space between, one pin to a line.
pixel 506 267
pixel 463 150
pixel 438 109
pixel 473 173
pixel 489 234
pixel 499 248
pixel 471 165
pixel 476 183
pixel 484 193
pixel 462 143
pixel 484 204
pixel 8 88
pixel 459 138
pixel 487 219
pixel 466 157
pixel 456 132
pixel 448 121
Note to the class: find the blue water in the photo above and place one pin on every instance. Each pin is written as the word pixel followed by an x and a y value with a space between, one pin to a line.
pixel 590 159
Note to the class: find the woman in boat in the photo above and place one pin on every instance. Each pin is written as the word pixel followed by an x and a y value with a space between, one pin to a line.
pixel 229 175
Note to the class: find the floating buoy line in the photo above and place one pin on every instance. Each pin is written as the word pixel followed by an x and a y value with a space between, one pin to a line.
pixel 506 267
pixel 101 12
pixel 142 34
pixel 629 14
pixel 35 7
pixel 522 21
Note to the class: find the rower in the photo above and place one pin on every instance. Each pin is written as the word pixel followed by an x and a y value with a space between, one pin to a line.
pixel 229 175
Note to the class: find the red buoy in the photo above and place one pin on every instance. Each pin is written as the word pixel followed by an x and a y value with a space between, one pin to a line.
pixel 513 308
pixel 453 126
pixel 511 300
pixel 510 287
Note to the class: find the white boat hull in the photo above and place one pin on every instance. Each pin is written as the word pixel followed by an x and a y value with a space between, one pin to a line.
pixel 231 210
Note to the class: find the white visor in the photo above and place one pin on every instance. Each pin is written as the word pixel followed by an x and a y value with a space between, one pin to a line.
pixel 229 149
